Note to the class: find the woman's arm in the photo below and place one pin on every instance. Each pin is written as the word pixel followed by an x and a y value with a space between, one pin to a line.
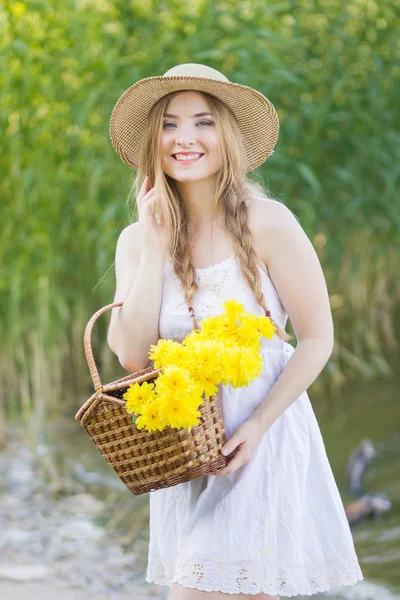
pixel 303 367
pixel 299 280
pixel 134 326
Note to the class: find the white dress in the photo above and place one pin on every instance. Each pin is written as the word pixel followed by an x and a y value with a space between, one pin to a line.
pixel 276 525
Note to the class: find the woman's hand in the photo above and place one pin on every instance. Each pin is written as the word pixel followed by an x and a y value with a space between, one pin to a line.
pixel 246 439
pixel 155 231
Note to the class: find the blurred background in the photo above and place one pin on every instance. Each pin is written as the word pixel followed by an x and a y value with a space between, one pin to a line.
pixel 331 69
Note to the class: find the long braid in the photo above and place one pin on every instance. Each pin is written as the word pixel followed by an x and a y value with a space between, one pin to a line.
pixel 237 224
pixel 185 271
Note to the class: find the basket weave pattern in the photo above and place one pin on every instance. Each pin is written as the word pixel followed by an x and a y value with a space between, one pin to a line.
pixel 147 461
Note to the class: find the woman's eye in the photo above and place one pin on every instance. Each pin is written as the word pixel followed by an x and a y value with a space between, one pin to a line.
pixel 165 125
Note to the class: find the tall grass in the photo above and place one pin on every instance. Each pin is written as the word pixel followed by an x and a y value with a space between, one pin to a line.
pixel 332 71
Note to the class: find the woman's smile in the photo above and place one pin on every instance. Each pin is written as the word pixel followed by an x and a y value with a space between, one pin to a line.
pixel 186 158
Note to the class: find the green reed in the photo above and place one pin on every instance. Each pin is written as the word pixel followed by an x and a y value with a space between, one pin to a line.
pixel 330 69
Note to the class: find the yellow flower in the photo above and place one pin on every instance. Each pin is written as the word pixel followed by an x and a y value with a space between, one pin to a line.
pixel 151 418
pixel 194 337
pixel 250 321
pixel 162 351
pixel 168 405
pixel 205 361
pixel 267 328
pixel 248 336
pixel 138 395
pixel 231 367
pixel 250 367
pixel 210 387
pixel 233 308
pixel 227 328
pixel 195 395
pixel 178 354
pixel 173 381
pixel 181 413
pixel 209 329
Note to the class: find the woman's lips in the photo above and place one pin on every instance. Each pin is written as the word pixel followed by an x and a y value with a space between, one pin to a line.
pixel 187 162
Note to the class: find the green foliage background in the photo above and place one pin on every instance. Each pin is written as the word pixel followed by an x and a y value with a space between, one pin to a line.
pixel 331 68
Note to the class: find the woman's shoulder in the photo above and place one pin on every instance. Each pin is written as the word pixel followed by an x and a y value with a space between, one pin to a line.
pixel 130 230
pixel 130 239
pixel 262 206
pixel 267 216
pixel 268 213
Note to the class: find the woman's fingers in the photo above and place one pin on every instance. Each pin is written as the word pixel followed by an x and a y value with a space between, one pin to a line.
pixel 155 209
pixel 145 188
pixel 147 200
pixel 150 203
pixel 142 190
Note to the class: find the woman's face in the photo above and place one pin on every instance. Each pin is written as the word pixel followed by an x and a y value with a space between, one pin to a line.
pixel 190 146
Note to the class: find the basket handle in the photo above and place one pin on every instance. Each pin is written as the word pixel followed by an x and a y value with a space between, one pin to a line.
pixel 87 342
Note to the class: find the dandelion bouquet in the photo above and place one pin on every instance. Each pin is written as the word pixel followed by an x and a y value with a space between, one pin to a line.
pixel 225 350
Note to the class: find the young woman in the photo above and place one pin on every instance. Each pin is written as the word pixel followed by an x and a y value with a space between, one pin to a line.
pixel 272 521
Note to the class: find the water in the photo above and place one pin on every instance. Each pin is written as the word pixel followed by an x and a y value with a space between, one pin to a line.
pixel 367 410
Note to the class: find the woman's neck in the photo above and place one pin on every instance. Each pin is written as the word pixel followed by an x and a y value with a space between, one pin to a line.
pixel 198 198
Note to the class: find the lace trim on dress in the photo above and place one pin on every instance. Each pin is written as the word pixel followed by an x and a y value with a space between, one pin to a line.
pixel 213 279
pixel 210 279
pixel 263 575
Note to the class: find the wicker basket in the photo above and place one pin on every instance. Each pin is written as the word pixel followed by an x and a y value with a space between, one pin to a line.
pixel 147 461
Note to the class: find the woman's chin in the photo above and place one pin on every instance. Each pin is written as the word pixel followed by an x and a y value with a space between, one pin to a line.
pixel 190 177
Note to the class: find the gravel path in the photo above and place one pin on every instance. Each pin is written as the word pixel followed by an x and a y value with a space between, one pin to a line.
pixel 43 591
pixel 60 541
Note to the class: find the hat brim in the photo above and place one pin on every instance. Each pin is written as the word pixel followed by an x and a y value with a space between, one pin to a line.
pixel 255 114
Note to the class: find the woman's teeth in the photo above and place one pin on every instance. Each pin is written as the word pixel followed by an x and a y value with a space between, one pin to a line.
pixel 185 157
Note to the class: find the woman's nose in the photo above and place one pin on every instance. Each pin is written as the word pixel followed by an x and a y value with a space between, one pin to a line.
pixel 185 137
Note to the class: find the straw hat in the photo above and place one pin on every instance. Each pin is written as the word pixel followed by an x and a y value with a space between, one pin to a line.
pixel 254 113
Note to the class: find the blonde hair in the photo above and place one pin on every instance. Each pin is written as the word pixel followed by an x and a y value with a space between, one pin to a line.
pixel 234 189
